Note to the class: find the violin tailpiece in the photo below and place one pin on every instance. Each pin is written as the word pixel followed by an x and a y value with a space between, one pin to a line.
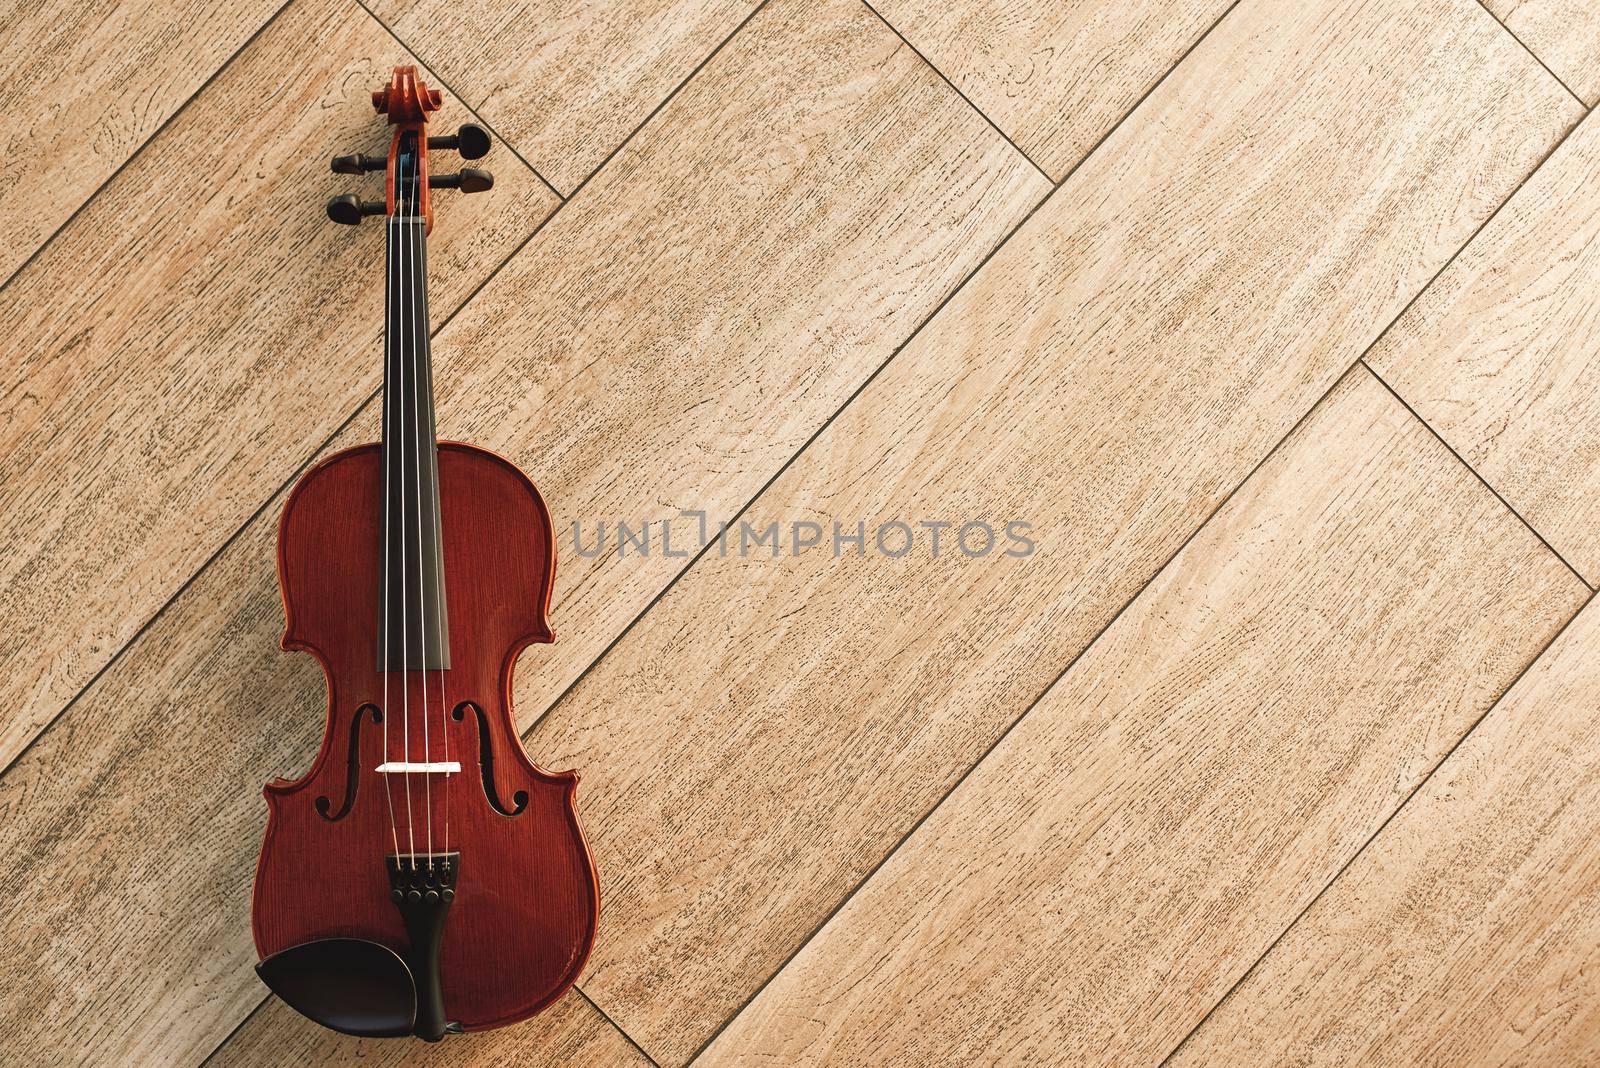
pixel 422 888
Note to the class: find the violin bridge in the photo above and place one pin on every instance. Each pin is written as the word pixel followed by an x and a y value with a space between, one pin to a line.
pixel 432 767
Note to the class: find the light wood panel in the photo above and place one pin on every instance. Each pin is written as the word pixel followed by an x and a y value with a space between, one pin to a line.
pixel 1468 933
pixel 771 728
pixel 1565 34
pixel 1502 354
pixel 674 334
pixel 84 85
pixel 135 820
pixel 683 327
pixel 192 337
pixel 565 82
pixel 1192 782
pixel 570 1032
pixel 1055 76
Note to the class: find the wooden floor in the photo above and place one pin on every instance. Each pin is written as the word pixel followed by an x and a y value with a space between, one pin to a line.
pixel 1278 320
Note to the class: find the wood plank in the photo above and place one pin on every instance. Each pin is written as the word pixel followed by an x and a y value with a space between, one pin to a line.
pixel 190 338
pixel 680 340
pixel 813 158
pixel 1469 931
pixel 1208 765
pixel 570 1032
pixel 565 82
pixel 143 803
pixel 1054 76
pixel 770 729
pixel 85 85
pixel 1565 34
pixel 1502 355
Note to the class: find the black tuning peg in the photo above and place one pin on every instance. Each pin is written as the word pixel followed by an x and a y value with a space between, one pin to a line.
pixel 470 139
pixel 470 180
pixel 347 210
pixel 357 164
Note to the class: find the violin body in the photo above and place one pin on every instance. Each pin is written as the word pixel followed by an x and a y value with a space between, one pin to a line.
pixel 424 877
pixel 525 900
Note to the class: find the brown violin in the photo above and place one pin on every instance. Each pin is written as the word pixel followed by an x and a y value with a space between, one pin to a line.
pixel 424 877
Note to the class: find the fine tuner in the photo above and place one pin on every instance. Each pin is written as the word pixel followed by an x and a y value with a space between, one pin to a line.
pixel 470 139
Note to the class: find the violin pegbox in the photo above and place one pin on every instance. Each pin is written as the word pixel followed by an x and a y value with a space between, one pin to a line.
pixel 407 101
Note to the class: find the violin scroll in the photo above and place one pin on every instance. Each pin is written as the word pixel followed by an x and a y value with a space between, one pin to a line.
pixel 406 99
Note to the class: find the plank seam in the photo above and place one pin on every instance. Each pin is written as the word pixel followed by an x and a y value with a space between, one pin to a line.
pixel 577 989
pixel 1359 361
pixel 620 144
pixel 1537 656
pixel 1486 484
pixel 315 453
pixel 957 90
pixel 136 153
pixel 236 1029
pixel 1028 708
pixel 460 99
pixel 857 392
pixel 607 1018
pixel 1501 23
pixel 744 508
pixel 761 6
pixel 351 418
pixel 318 451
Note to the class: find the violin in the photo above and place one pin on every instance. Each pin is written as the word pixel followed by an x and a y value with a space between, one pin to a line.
pixel 424 877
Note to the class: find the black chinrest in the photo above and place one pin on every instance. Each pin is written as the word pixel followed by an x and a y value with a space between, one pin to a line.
pixel 349 984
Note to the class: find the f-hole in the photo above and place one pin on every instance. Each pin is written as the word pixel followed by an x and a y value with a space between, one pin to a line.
pixel 486 763
pixel 353 771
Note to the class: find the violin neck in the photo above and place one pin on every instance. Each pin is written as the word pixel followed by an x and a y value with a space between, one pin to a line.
pixel 414 631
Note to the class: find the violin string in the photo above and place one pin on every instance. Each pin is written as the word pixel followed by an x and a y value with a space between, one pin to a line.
pixel 438 544
pixel 383 629
pixel 413 225
pixel 405 624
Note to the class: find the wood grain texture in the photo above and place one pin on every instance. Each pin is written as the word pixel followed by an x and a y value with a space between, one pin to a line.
pixel 1468 933
pixel 563 82
pixel 188 340
pixel 688 322
pixel 86 84
pixel 141 808
pixel 1502 355
pixel 1171 804
pixel 674 335
pixel 1055 76
pixel 768 732
pixel 1565 34
pixel 570 1033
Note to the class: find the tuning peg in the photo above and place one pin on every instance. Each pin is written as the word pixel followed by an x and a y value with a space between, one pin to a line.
pixel 470 180
pixel 470 139
pixel 357 164
pixel 348 210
